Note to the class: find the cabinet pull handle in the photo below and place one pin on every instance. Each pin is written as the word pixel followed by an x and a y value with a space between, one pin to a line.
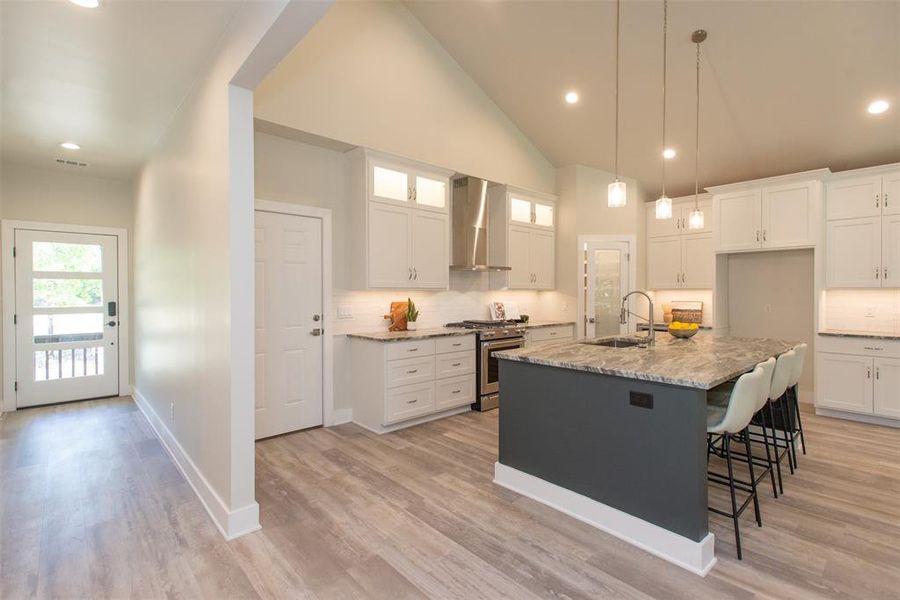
pixel 412 401
pixel 682 278
pixel 415 194
pixel 877 273
pixel 457 344
pixel 877 373
pixel 885 199
pixel 764 235
pixel 409 277
pixel 412 350
pixel 885 272
pixel 456 391
pixel 455 364
pixel 757 235
pixel 415 274
pixel 412 371
pixel 868 372
pixel 877 199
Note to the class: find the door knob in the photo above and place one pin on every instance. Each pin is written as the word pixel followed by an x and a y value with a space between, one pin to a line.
pixel 111 323
pixel 316 331
pixel 592 320
pixel 316 317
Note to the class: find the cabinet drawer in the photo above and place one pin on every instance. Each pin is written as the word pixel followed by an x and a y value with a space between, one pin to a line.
pixel 455 343
pixel 410 349
pixel 455 363
pixel 409 371
pixel 409 401
pixel 861 346
pixel 543 334
pixel 458 391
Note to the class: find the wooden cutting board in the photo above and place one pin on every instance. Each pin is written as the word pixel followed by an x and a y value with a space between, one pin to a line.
pixel 398 314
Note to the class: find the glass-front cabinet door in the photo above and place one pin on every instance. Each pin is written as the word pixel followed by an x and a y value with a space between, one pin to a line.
pixel 430 192
pixel 530 211
pixel 390 184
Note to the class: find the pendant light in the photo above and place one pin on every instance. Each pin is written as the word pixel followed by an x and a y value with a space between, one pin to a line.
pixel 664 203
pixel 695 219
pixel 616 194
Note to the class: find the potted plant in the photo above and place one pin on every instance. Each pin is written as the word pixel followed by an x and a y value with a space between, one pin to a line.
pixel 412 313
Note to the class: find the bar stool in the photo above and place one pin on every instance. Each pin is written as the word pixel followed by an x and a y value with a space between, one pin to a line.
pixel 720 395
pixel 784 369
pixel 730 422
pixel 793 389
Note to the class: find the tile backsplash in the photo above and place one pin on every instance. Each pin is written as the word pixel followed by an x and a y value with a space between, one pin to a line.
pixel 875 311
pixel 469 297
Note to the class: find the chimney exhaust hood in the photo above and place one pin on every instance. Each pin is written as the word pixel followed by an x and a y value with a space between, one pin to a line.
pixel 469 226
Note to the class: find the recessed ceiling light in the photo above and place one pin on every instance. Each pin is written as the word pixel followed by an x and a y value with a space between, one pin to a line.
pixel 70 146
pixel 669 153
pixel 86 3
pixel 878 107
pixel 572 97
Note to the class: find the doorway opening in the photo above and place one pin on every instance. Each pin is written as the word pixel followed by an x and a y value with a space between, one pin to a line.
pixel 606 272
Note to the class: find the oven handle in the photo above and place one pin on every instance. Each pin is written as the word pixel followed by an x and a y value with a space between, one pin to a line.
pixel 503 344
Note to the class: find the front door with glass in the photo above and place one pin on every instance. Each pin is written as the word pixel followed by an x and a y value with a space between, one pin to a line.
pixel 66 316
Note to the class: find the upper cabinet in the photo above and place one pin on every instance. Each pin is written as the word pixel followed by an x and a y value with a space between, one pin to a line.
pixel 521 235
pixel 863 229
pixel 400 222
pixel 775 214
pixel 679 257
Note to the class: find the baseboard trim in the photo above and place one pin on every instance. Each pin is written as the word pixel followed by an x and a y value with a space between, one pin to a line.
pixel 231 523
pixel 340 416
pixel 417 421
pixel 696 557
pixel 858 417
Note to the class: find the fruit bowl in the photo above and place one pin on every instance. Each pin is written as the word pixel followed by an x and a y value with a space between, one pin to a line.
pixel 683 330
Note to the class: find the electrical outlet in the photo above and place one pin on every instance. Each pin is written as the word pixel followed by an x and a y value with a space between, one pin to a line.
pixel 344 311
pixel 870 312
pixel 172 410
pixel 767 308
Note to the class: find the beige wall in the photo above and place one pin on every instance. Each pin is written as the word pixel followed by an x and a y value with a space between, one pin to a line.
pixel 60 195
pixel 770 294
pixel 369 74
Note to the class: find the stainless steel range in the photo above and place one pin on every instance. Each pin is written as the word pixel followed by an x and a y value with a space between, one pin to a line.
pixel 493 336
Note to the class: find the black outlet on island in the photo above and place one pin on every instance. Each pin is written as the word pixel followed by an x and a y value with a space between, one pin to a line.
pixel 641 399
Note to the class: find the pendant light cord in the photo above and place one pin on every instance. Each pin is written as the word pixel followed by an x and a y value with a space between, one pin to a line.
pixel 697 140
pixel 617 89
pixel 665 61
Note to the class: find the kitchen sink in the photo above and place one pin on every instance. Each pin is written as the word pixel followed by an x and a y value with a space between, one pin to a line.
pixel 619 343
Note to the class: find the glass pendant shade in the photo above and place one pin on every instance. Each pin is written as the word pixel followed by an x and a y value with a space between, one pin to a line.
pixel 616 194
pixel 664 207
pixel 695 219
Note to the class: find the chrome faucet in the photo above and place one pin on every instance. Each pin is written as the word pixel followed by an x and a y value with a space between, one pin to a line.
pixel 623 314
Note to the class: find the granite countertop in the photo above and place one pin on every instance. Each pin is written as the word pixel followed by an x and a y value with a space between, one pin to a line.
pixel 703 361
pixel 862 334
pixel 432 332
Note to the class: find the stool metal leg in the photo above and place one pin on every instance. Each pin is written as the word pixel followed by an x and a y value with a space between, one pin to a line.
pixel 787 440
pixel 746 435
pixel 799 422
pixel 774 445
pixel 768 457
pixel 734 510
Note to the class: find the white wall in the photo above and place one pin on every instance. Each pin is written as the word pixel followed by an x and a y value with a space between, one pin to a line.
pixel 583 211
pixel 193 278
pixel 369 74
pixel 60 195
pixel 298 173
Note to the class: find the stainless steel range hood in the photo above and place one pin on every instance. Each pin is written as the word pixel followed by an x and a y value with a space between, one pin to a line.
pixel 469 226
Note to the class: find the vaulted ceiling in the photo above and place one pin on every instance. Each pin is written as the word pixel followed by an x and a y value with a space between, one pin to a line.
pixel 784 85
pixel 108 78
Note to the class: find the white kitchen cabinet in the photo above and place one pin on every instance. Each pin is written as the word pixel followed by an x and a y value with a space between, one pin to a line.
pixel 886 396
pixel 890 188
pixel 890 251
pixel 396 384
pixel 521 235
pixel 400 224
pixel 853 253
pixel 681 262
pixel 844 382
pixel 552 333
pixel 775 214
pixel 681 210
pixel 858 375
pixel 853 198
pixel 738 220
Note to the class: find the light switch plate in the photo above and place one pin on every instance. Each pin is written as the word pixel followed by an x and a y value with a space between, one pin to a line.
pixel 344 311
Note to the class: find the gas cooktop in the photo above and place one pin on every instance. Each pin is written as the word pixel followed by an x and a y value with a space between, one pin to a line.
pixel 476 324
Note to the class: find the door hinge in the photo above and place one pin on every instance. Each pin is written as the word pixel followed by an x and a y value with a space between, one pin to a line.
pixel 16 386
pixel 14 251
pixel 15 319
pixel 627 256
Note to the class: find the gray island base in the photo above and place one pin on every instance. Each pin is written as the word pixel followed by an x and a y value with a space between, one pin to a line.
pixel 624 453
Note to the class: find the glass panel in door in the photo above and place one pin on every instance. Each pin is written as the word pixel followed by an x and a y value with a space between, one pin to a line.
pixel 519 210
pixel 431 192
pixel 390 184
pixel 543 214
pixel 607 292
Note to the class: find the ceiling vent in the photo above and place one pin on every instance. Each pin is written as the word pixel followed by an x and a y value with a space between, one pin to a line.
pixel 71 163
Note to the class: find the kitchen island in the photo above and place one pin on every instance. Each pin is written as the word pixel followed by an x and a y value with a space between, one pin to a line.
pixel 616 437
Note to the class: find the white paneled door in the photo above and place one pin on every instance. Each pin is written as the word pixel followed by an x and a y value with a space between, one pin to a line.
pixel 66 319
pixel 289 323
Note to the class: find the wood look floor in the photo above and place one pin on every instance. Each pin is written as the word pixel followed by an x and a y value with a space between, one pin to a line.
pixel 93 507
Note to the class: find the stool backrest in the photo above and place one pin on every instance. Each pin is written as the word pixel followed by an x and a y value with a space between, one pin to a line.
pixel 742 403
pixel 768 368
pixel 784 368
pixel 800 351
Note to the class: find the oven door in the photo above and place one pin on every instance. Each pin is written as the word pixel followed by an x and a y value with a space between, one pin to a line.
pixel 489 382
